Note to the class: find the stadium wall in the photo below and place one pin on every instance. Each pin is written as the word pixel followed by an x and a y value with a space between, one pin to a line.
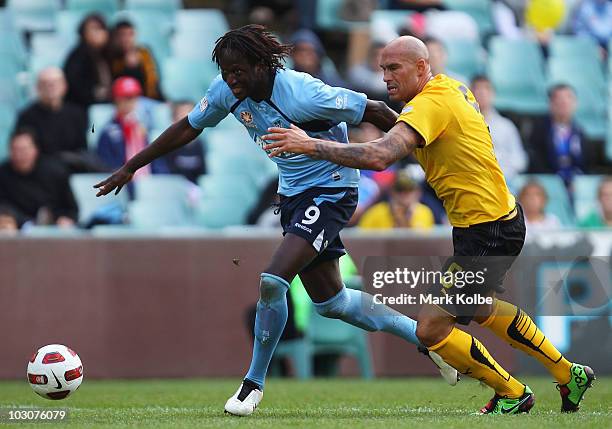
pixel 171 307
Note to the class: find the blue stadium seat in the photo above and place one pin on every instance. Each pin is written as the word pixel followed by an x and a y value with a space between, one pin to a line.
pixel 585 194
pixel 11 92
pixel 34 15
pixel 480 10
pixel 328 17
pixel 67 23
pixel 219 212
pixel 12 47
pixel 166 6
pixel 162 116
pixel 169 188
pixel 573 47
pixel 465 57
pixel 209 21
pixel 515 68
pixel 558 198
pixel 85 195
pixel 187 78
pixel 47 50
pixel 4 142
pixel 99 116
pixel 154 214
pixel 228 185
pixel 105 7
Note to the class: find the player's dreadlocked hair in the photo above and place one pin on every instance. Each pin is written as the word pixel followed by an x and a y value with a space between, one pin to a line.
pixel 253 42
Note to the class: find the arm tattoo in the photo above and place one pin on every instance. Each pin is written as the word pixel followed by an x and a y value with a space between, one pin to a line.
pixel 374 155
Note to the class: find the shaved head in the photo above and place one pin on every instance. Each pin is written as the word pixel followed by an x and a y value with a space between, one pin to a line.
pixel 405 62
pixel 412 48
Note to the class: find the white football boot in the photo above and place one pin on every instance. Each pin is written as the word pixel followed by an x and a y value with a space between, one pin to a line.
pixel 448 373
pixel 244 401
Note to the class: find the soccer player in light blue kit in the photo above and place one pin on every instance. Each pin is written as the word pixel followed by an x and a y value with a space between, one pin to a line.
pixel 317 197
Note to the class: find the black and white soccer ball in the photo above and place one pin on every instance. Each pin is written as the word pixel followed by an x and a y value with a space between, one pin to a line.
pixel 55 371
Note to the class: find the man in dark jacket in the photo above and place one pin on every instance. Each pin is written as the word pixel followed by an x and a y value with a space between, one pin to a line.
pixel 556 144
pixel 36 187
pixel 61 126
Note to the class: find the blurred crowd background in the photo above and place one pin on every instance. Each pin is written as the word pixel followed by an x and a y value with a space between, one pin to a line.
pixel 85 84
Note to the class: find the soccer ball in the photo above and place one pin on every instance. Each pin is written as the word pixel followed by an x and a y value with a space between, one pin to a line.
pixel 55 371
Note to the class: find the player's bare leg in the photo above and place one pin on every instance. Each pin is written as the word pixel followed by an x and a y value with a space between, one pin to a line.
pixel 332 299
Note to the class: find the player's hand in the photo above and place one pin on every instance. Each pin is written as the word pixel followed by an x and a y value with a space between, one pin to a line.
pixel 293 140
pixel 116 181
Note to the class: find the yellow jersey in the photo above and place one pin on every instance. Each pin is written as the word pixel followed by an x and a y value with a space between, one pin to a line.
pixel 379 216
pixel 457 153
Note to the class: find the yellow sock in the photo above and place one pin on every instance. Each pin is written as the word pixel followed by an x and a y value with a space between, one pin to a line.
pixel 470 357
pixel 516 328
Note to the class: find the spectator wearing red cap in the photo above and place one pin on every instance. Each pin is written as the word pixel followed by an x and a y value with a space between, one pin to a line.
pixel 125 136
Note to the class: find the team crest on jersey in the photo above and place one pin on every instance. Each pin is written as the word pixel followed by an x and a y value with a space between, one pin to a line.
pixel 203 104
pixel 246 117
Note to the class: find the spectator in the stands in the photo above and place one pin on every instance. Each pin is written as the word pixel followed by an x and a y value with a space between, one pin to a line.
pixel 125 136
pixel 534 198
pixel 87 67
pixel 130 59
pixel 507 143
pixel 8 220
pixel 368 76
pixel 438 58
pixel 556 142
pixel 602 216
pixel 403 210
pixel 188 160
pixel 593 18
pixel 309 56
pixel 60 125
pixel 34 185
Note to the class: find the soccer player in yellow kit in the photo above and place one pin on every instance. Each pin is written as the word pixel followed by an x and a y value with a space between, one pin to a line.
pixel 442 127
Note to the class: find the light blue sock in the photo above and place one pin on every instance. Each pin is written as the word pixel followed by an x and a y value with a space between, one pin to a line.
pixel 270 322
pixel 356 307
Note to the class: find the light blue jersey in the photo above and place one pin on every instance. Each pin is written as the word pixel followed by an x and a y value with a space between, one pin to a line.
pixel 298 98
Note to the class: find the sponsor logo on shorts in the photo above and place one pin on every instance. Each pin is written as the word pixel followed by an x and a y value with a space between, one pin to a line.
pixel 305 228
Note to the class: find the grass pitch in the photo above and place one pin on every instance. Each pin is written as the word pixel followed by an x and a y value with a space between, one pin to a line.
pixel 334 403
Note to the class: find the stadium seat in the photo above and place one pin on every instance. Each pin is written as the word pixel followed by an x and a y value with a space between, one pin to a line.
pixel 465 57
pixel 515 68
pixel 34 15
pixel 161 116
pixel 184 44
pixel 169 188
pixel 573 47
pixel 4 141
pixel 85 196
pixel 8 115
pixel 582 72
pixel 154 214
pixel 558 198
pixel 331 336
pixel 385 24
pixel 105 7
pixel 208 21
pixel 235 186
pixel 480 10
pixel 585 194
pixel 67 23
pixel 187 78
pixel 51 231
pixel 451 25
pixel 166 6
pixel 299 350
pixel 328 17
pixel 12 47
pixel 219 212
pixel 48 49
pixel 99 115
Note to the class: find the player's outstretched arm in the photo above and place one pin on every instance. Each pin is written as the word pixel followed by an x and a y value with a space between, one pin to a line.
pixel 175 136
pixel 379 114
pixel 377 155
